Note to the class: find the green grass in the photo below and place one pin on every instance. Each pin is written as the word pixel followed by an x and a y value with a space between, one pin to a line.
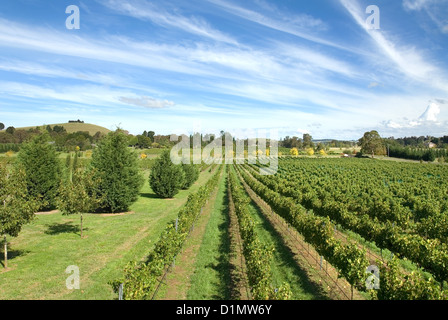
pixel 211 277
pixel 44 249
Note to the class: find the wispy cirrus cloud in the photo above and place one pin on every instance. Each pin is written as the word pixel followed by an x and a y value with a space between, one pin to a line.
pixel 299 25
pixel 147 102
pixel 146 10
pixel 407 59
pixel 435 9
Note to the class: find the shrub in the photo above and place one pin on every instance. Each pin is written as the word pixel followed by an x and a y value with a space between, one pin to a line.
pixel 166 178
pixel 294 152
pixel 118 172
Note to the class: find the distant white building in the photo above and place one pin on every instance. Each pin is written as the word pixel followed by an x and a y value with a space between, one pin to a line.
pixel 430 145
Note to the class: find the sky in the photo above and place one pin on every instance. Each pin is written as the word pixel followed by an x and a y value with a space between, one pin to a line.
pixel 330 68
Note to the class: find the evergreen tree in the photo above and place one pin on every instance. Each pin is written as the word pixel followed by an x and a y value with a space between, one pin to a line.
pixel 191 175
pixel 43 170
pixel 118 172
pixel 166 178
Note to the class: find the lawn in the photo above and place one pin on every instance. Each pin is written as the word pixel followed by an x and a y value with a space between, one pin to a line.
pixel 39 256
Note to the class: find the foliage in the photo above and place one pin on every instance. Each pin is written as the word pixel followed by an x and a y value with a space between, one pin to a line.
pixel 81 195
pixel 16 207
pixel 191 173
pixel 118 172
pixel 166 178
pixel 372 143
pixel 257 255
pixel 417 154
pixel 43 170
pixel 294 152
pixel 399 206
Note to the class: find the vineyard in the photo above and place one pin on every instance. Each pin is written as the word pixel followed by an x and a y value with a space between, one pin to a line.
pixel 316 229
pixel 356 228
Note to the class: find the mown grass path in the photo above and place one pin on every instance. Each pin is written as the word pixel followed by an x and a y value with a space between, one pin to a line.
pixel 211 278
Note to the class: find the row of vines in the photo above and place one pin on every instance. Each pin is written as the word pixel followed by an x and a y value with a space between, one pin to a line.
pixel 257 255
pixel 400 207
pixel 317 228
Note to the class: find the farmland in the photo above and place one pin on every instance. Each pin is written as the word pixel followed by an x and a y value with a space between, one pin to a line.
pixel 317 225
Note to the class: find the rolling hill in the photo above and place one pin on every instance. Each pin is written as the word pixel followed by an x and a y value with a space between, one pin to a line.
pixel 75 127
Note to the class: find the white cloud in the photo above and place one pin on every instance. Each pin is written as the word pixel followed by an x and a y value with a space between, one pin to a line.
pixel 416 4
pixel 302 26
pixel 407 59
pixel 431 113
pixel 435 9
pixel 146 10
pixel 429 122
pixel 147 102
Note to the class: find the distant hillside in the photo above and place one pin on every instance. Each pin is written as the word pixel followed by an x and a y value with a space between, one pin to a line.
pixel 74 127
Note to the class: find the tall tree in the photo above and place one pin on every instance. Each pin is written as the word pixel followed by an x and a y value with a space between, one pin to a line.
pixel 118 172
pixel 307 141
pixel 16 207
pixel 43 170
pixel 372 143
pixel 151 135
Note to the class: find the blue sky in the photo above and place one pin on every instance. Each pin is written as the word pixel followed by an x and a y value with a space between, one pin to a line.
pixel 176 66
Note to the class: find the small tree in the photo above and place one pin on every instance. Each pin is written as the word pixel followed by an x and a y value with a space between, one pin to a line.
pixel 80 194
pixel 166 178
pixel 294 152
pixel 2 126
pixel 10 130
pixel 310 151
pixel 117 171
pixel 16 207
pixel 43 170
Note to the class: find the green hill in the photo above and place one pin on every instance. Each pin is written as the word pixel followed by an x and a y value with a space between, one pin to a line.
pixel 75 127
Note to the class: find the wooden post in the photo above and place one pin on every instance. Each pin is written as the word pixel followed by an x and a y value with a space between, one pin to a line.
pixel 81 225
pixel 6 253
pixel 120 292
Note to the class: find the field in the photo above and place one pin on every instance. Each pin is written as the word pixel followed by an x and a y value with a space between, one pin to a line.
pixel 316 225
pixel 39 256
